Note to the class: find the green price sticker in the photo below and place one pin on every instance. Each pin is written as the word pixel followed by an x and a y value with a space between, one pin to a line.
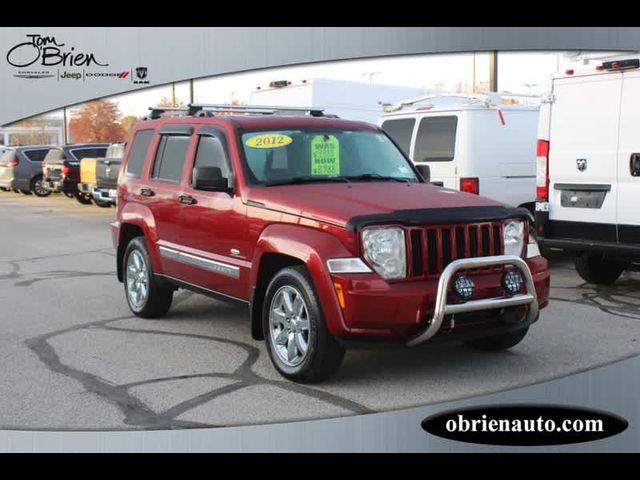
pixel 325 155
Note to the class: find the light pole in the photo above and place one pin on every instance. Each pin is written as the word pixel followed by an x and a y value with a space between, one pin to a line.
pixel 370 75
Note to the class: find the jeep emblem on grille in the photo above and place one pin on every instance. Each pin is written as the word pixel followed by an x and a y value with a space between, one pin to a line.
pixel 581 164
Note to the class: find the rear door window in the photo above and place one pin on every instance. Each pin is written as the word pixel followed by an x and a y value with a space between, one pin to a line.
pixel 436 139
pixel 170 157
pixel 400 130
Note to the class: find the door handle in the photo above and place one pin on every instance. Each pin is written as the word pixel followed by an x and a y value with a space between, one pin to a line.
pixel 147 192
pixel 634 164
pixel 187 200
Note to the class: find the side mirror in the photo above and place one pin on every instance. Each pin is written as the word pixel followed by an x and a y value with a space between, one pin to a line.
pixel 425 171
pixel 210 179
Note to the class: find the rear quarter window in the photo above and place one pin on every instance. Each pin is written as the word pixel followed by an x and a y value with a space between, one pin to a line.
pixel 80 153
pixel 400 131
pixel 138 151
pixel 35 155
pixel 436 139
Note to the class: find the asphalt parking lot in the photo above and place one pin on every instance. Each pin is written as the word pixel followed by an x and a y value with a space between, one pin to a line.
pixel 72 356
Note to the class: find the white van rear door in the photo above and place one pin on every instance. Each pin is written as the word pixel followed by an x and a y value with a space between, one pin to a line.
pixel 435 144
pixel 583 149
pixel 629 160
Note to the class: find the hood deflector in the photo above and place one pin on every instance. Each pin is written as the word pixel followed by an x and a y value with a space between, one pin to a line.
pixel 437 216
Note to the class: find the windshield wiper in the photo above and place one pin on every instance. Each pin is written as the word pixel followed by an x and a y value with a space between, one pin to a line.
pixel 375 176
pixel 305 179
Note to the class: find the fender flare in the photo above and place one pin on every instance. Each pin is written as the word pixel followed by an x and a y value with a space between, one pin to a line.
pixel 312 248
pixel 140 216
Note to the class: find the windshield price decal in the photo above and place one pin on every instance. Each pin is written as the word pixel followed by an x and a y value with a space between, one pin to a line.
pixel 269 140
pixel 325 155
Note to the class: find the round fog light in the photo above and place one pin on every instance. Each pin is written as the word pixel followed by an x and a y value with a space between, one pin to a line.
pixel 463 287
pixel 512 281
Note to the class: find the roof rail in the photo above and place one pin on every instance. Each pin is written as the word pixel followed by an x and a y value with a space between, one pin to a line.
pixel 208 109
pixel 488 99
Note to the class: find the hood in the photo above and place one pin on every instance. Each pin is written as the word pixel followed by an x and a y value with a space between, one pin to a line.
pixel 337 203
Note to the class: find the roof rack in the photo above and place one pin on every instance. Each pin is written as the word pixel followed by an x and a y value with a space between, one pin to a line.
pixel 488 99
pixel 209 109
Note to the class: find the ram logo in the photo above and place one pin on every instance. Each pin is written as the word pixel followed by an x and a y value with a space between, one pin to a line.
pixel 581 164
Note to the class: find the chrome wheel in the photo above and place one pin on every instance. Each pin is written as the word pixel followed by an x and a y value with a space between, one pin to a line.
pixel 40 189
pixel 289 326
pixel 137 280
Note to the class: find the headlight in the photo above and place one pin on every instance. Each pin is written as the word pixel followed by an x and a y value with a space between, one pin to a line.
pixel 384 248
pixel 513 237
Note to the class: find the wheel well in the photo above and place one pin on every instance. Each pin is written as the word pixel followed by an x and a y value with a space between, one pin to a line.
pixel 270 264
pixel 531 206
pixel 127 233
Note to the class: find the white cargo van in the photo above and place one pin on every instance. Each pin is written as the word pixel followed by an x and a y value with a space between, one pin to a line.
pixel 348 100
pixel 479 143
pixel 588 187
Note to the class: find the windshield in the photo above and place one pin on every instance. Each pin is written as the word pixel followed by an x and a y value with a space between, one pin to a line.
pixel 311 155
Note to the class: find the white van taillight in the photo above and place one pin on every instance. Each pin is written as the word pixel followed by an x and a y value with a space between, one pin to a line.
pixel 542 170
pixel 621 64
pixel 470 185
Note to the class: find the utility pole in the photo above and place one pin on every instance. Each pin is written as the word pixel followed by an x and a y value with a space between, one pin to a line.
pixel 493 71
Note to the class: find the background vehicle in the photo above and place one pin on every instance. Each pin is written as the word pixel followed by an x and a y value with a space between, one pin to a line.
pixel 588 186
pixel 480 144
pixel 107 170
pixel 324 229
pixel 348 100
pixel 61 168
pixel 21 169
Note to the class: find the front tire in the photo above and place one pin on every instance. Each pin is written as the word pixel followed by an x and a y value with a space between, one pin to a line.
pixel 299 344
pixel 594 268
pixel 38 187
pixel 147 297
pixel 504 341
pixel 83 199
pixel 101 204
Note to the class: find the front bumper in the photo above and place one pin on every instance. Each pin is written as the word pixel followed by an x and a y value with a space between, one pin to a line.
pixel 419 310
pixel 105 196
pixel 63 185
pixel 529 298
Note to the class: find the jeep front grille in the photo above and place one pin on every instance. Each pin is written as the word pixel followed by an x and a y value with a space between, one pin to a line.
pixel 433 247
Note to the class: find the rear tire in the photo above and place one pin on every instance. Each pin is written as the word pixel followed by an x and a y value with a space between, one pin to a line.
pixel 38 187
pixel 298 341
pixel 594 268
pixel 146 296
pixel 503 341
pixel 83 199
pixel 5 189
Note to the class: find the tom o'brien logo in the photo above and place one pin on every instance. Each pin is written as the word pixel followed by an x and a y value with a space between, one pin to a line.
pixel 45 56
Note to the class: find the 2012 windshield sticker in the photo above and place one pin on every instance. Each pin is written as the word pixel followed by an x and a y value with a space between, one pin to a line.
pixel 325 155
pixel 269 140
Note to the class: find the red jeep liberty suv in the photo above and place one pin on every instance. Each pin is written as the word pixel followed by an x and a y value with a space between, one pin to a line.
pixel 324 229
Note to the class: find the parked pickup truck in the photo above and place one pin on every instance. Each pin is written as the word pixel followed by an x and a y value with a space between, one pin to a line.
pixel 325 229
pixel 107 170
pixel 61 168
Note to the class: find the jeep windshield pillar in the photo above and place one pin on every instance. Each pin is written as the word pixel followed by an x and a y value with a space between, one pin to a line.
pixel 324 229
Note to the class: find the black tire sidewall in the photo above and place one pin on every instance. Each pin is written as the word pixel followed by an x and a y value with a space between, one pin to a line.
pixel 292 277
pixel 33 187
